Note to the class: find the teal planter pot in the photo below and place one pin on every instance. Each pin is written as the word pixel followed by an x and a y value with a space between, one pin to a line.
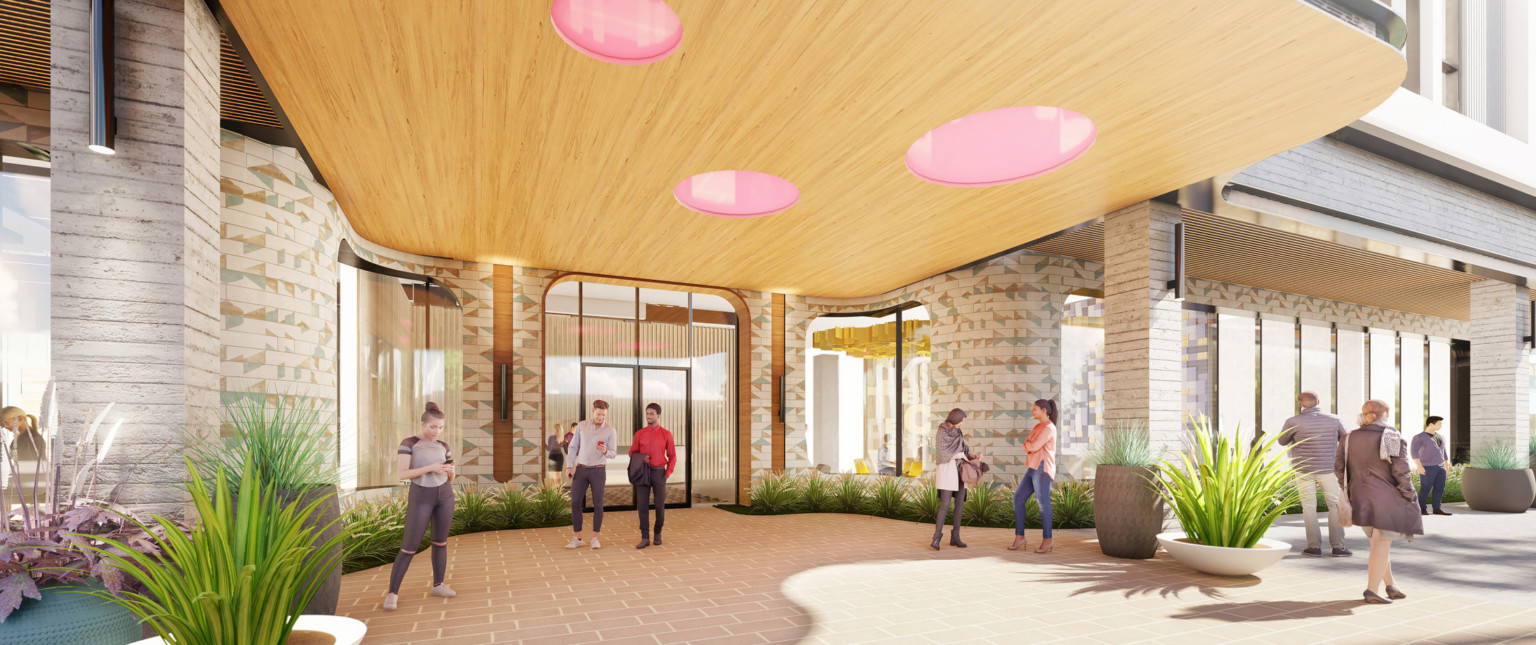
pixel 64 617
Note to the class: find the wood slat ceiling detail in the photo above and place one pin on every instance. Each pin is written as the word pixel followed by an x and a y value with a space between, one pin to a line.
pixel 470 130
pixel 1227 250
pixel 239 98
pixel 25 56
pixel 24 43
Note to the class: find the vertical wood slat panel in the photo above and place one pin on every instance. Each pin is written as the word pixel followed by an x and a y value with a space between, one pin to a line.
pixel 503 433
pixel 778 375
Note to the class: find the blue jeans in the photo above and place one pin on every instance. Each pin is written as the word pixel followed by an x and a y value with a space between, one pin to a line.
pixel 1433 477
pixel 1035 483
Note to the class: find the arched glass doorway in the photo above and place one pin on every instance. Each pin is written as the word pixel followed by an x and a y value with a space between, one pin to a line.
pixel 631 346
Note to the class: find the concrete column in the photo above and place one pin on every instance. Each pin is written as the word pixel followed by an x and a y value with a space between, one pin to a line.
pixel 135 291
pixel 1142 322
pixel 1500 364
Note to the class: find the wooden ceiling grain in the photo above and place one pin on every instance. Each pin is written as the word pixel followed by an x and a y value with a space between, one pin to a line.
pixel 1222 249
pixel 470 130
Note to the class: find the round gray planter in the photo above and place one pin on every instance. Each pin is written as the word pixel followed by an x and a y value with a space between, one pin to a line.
pixel 1127 513
pixel 63 616
pixel 1499 491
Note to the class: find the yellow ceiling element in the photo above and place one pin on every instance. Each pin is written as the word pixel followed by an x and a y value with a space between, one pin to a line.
pixel 471 130
pixel 878 341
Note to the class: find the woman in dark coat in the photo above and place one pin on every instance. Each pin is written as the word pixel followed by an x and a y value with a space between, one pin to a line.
pixel 1372 467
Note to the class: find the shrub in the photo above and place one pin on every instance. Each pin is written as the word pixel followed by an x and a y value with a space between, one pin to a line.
pixel 850 495
pixel 373 533
pixel 1126 444
pixel 550 507
pixel 512 507
pixel 923 503
pixel 816 493
pixel 1498 455
pixel 988 503
pixel 1224 494
pixel 1072 505
pixel 474 510
pixel 888 497
pixel 775 493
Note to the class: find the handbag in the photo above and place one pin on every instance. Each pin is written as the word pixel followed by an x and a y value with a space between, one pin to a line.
pixel 1346 510
pixel 639 466
pixel 971 470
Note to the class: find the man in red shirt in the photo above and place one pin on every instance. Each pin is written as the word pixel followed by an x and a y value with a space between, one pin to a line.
pixel 655 442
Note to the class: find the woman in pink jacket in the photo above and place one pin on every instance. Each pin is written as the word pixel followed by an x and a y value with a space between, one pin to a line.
pixel 1040 451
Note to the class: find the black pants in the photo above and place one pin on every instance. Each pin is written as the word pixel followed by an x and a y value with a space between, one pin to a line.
pixel 596 479
pixel 655 486
pixel 425 505
pixel 945 497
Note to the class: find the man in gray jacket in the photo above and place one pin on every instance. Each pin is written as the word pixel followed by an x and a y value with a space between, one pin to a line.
pixel 1314 437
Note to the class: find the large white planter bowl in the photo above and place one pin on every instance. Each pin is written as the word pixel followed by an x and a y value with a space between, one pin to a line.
pixel 347 631
pixel 1220 560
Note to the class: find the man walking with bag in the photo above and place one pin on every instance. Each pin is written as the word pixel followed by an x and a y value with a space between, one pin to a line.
pixel 655 443
pixel 1316 435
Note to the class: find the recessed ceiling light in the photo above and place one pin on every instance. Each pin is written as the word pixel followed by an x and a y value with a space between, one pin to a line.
pixel 624 32
pixel 1001 146
pixel 736 193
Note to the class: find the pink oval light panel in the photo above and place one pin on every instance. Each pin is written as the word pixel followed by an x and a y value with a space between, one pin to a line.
pixel 1001 146
pixel 736 193
pixel 625 32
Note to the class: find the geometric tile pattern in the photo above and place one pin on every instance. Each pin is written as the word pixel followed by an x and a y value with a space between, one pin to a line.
pixel 527 371
pixel 280 232
pixel 995 331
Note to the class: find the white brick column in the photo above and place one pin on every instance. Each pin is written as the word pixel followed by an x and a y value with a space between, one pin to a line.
pixel 1142 322
pixel 1500 364
pixel 135 287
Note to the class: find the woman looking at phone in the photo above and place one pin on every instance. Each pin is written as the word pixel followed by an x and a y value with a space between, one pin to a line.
pixel 426 462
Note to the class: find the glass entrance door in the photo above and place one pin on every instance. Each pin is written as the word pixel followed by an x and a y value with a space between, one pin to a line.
pixel 628 389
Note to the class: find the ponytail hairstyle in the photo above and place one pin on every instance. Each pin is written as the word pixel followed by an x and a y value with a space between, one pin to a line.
pixel 433 412
pixel 1049 405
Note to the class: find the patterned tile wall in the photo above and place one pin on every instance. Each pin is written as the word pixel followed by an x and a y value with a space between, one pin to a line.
pixel 280 232
pixel 995 343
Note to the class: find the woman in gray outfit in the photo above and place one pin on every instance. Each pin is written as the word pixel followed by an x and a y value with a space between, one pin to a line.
pixel 427 463
pixel 1372 467
pixel 951 448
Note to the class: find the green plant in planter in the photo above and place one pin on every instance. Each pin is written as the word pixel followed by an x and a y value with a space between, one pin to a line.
pixel 1126 444
pixel 550 507
pixel 241 575
pixel 289 441
pixel 1226 494
pixel 1498 455
pixel 775 493
pixel 512 507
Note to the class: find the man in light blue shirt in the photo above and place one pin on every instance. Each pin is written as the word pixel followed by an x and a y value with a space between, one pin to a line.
pixel 591 447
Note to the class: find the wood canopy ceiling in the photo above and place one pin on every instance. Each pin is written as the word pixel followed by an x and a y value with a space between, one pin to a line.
pixel 1226 250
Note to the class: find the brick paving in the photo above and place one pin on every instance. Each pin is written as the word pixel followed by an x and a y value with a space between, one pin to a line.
pixel 727 578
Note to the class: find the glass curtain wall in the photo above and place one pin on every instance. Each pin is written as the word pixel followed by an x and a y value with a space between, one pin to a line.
pixel 1352 369
pixel 401 346
pixel 1413 386
pixel 25 224
pixel 634 346
pixel 1081 413
pixel 1278 356
pixel 1237 372
pixel 1318 363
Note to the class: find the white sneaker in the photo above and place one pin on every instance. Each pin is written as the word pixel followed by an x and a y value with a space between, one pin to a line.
pixel 576 543
pixel 595 545
pixel 391 602
pixel 443 591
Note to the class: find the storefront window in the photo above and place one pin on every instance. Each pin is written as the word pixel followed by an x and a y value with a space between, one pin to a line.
pixel 1199 360
pixel 401 346
pixel 857 397
pixel 1318 363
pixel 1413 390
pixel 1237 371
pixel 1352 369
pixel 1278 379
pixel 1082 368
pixel 24 316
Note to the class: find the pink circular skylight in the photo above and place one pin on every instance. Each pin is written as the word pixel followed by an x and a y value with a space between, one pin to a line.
pixel 736 193
pixel 1001 146
pixel 626 32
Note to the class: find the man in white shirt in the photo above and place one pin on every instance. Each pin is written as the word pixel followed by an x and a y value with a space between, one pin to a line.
pixel 591 448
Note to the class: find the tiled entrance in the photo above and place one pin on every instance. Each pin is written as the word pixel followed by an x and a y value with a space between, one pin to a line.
pixel 726 578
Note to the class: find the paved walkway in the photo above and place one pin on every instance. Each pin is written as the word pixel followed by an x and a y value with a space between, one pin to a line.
pixel 726 578
pixel 1470 553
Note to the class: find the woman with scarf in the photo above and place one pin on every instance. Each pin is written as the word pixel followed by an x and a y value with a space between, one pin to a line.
pixel 1372 467
pixel 950 447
